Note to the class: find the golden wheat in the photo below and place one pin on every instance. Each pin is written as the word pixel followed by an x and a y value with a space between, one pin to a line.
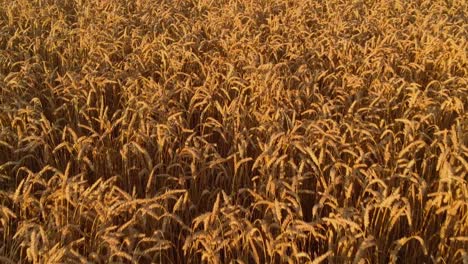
pixel 205 131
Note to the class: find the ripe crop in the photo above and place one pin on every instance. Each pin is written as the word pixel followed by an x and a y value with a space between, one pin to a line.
pixel 233 131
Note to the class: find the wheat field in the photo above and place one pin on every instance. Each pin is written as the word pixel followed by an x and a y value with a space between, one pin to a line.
pixel 233 131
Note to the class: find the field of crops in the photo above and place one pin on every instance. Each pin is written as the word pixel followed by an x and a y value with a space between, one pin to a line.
pixel 233 131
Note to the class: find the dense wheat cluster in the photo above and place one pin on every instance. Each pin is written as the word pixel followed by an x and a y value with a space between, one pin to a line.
pixel 202 131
